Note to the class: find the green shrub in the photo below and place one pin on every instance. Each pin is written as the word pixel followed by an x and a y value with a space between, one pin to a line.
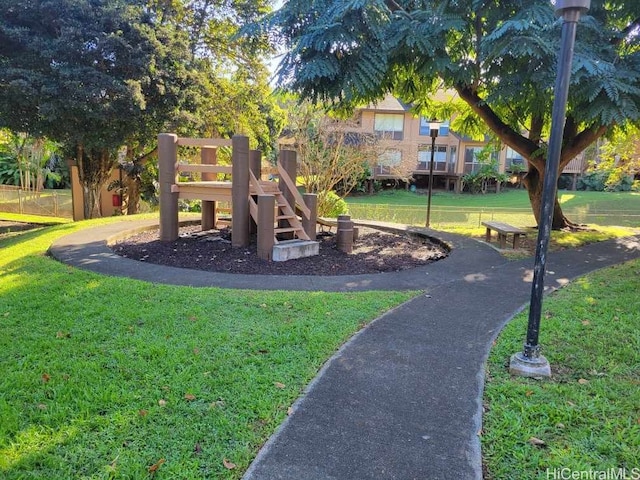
pixel 609 180
pixel 189 205
pixel 618 181
pixel 593 181
pixel 478 182
pixel 9 171
pixel 330 204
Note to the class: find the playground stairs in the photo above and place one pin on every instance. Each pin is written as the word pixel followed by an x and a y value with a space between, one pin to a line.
pixel 290 239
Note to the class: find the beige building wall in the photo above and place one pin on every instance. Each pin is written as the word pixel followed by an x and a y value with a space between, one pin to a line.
pixel 412 142
pixel 107 207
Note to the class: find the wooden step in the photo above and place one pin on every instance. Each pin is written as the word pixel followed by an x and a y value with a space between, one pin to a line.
pixel 285 217
pixel 290 249
pixel 288 229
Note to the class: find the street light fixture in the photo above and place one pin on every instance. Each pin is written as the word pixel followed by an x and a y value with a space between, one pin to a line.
pixel 434 128
pixel 529 362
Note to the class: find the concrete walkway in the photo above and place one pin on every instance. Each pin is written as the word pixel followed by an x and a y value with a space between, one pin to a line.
pixel 402 399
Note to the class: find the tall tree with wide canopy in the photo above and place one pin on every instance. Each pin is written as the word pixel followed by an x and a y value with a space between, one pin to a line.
pixel 500 56
pixel 234 95
pixel 90 74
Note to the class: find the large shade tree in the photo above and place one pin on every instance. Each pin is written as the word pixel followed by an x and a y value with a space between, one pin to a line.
pixel 90 74
pixel 499 56
pixel 234 94
pixel 98 76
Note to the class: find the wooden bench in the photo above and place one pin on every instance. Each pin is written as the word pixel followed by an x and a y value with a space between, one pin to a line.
pixel 503 230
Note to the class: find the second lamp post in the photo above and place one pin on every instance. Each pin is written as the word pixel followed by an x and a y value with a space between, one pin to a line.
pixel 434 128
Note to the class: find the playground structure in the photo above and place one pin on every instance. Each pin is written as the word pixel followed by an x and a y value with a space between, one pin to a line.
pixel 266 208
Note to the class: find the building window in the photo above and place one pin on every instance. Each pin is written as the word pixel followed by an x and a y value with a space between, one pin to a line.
pixel 473 158
pixel 424 127
pixel 513 158
pixel 389 126
pixel 389 162
pixel 439 158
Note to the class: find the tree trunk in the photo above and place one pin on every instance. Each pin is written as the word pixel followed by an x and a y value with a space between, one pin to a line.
pixel 534 181
pixel 133 195
pixel 90 197
pixel 94 168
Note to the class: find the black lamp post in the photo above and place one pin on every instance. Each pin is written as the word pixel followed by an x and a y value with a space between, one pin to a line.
pixel 529 362
pixel 434 128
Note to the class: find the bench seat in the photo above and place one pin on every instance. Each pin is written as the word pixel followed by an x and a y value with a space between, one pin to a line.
pixel 503 229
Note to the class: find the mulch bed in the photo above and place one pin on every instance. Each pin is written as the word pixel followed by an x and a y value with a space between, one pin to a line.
pixel 374 252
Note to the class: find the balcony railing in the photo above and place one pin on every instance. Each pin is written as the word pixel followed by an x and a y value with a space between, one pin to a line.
pixel 383 170
pixel 472 167
pixel 577 165
pixel 437 166
pixel 517 164
pixel 389 135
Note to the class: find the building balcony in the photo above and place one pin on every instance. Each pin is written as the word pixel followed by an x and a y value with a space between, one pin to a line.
pixel 577 165
pixel 439 168
pixel 386 171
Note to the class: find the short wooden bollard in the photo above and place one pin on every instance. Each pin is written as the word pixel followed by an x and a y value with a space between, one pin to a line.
pixel 356 230
pixel 344 236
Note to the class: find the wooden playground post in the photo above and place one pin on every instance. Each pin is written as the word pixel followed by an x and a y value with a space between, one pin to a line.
pixel 209 156
pixel 240 191
pixel 255 165
pixel 287 159
pixel 167 159
pixel 309 224
pixel 266 219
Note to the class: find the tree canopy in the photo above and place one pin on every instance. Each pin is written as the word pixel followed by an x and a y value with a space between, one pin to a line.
pixel 499 56
pixel 99 75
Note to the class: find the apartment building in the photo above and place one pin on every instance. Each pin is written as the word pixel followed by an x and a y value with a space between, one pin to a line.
pixel 405 143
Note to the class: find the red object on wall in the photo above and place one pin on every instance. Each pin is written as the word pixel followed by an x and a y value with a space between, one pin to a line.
pixel 116 201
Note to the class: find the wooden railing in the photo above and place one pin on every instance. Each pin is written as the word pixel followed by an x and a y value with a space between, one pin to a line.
pixel 294 190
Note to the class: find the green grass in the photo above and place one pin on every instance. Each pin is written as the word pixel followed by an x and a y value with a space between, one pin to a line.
pixel 511 206
pixel 103 377
pixel 559 239
pixel 38 219
pixel 588 413
pixel 509 198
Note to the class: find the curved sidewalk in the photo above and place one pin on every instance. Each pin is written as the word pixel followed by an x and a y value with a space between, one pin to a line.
pixel 88 249
pixel 403 398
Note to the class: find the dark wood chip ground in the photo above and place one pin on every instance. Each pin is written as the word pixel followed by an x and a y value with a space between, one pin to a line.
pixel 374 252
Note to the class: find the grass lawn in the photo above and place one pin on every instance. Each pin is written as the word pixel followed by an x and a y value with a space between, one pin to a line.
pixel 114 378
pixel 509 198
pixel 587 416
pixel 450 211
pixel 38 219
